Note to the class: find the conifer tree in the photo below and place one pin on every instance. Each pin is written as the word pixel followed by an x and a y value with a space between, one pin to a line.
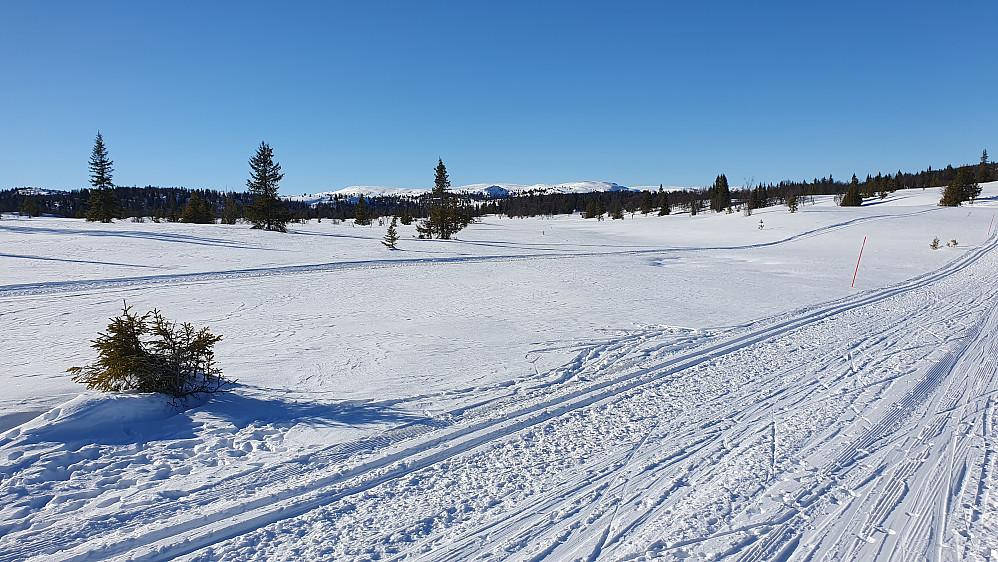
pixel 103 205
pixel 720 194
pixel 230 210
pixel 646 202
pixel 852 198
pixel 984 168
pixel 447 217
pixel 792 202
pixel 266 210
pixel 29 206
pixel 392 236
pixel 663 202
pixel 198 211
pixel 959 190
pixel 151 354
pixel 362 216
pixel 616 213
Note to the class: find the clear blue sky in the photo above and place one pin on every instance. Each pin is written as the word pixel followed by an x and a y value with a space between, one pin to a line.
pixel 372 92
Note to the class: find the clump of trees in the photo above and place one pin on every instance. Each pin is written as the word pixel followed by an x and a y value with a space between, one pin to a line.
pixel 960 190
pixel 149 353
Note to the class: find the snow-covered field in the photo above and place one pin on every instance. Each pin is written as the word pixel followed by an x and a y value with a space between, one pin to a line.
pixel 541 389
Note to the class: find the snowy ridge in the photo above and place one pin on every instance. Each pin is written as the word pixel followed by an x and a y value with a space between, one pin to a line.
pixel 486 189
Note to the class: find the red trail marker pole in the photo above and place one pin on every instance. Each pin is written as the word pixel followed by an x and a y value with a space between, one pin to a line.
pixel 857 262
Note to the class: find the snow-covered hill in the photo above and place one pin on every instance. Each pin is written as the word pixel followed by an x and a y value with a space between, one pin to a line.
pixel 709 387
pixel 486 189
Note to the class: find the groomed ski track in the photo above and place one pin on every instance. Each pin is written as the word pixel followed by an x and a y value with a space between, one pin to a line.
pixel 862 428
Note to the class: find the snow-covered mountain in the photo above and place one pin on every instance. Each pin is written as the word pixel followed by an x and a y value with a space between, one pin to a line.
pixel 486 189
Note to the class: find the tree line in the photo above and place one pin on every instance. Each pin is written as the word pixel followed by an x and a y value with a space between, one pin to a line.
pixel 450 211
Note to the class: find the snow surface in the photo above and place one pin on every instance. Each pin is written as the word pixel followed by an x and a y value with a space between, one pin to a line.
pixel 538 389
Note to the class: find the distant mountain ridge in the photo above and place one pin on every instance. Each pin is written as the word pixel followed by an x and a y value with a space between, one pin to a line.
pixel 497 190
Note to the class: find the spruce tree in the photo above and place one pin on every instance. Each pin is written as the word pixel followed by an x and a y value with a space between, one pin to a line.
pixel 198 210
pixel 151 354
pixel 646 202
pixel 852 198
pixel 29 206
pixel 616 212
pixel 663 202
pixel 392 236
pixel 447 217
pixel 230 210
pixel 984 168
pixel 959 190
pixel 792 202
pixel 103 205
pixel 720 194
pixel 362 216
pixel 267 210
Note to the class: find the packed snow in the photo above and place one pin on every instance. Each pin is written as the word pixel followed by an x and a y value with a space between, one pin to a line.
pixel 654 388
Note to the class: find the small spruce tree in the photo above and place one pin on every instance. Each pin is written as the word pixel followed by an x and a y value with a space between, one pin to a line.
pixel 151 354
pixel 392 236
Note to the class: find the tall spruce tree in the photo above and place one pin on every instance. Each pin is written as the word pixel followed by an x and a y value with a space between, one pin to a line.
pixel 447 217
pixel 852 198
pixel 103 204
pixel 266 210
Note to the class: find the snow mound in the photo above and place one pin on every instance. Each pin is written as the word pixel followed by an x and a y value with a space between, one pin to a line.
pixel 113 417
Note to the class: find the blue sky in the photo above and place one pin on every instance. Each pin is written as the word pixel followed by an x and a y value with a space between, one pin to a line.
pixel 373 92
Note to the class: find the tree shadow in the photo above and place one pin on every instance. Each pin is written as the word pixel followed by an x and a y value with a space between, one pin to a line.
pixel 242 410
pixel 158 236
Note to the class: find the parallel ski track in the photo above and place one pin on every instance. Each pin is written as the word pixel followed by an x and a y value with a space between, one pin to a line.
pixel 92 285
pixel 704 453
pixel 178 538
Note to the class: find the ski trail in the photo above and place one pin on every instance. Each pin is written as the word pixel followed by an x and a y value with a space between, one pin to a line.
pixel 93 285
